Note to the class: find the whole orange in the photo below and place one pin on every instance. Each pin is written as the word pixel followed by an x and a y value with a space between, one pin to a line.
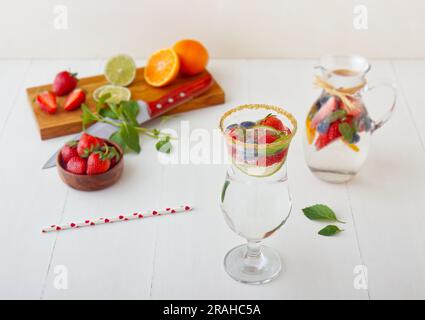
pixel 193 56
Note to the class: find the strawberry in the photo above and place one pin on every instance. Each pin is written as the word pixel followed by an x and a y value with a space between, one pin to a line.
pixel 74 100
pixel 87 145
pixel 64 83
pixel 47 102
pixel 76 165
pixel 69 150
pixel 270 138
pixel 333 133
pixel 276 158
pixel 97 163
pixel 273 121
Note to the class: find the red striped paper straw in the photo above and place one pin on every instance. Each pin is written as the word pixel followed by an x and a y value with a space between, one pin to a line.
pixel 120 218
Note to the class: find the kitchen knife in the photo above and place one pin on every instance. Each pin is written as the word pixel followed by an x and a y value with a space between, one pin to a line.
pixel 149 109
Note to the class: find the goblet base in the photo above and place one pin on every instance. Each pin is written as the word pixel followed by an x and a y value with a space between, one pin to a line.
pixel 253 270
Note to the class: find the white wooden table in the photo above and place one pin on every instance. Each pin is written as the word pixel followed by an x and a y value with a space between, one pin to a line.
pixel 181 256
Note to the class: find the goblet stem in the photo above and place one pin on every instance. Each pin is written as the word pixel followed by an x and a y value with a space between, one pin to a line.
pixel 253 259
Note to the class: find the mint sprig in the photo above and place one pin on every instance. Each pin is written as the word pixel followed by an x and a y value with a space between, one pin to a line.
pixel 124 117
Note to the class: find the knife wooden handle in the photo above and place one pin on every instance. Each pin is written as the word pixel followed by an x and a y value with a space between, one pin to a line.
pixel 179 95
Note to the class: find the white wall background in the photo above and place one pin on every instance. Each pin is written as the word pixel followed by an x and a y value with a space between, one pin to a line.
pixel 229 28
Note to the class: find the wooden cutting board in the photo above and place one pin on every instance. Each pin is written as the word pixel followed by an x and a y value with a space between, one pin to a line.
pixel 64 123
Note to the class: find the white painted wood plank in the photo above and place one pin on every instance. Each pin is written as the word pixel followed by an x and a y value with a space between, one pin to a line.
pixel 387 197
pixel 31 197
pixel 190 250
pixel 11 77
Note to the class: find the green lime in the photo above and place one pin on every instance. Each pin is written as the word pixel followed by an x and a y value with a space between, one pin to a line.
pixel 120 70
pixel 117 93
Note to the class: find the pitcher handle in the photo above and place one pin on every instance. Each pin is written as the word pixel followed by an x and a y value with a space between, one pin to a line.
pixel 379 123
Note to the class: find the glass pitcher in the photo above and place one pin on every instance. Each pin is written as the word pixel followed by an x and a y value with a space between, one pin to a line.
pixel 338 126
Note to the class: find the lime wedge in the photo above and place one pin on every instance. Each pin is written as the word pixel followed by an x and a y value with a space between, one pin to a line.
pixel 117 93
pixel 120 70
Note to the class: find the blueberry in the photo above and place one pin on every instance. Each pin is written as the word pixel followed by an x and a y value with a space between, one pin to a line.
pixel 323 127
pixel 356 138
pixel 231 126
pixel 247 124
pixel 367 123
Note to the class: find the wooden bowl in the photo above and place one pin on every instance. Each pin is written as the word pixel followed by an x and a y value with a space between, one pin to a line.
pixel 94 182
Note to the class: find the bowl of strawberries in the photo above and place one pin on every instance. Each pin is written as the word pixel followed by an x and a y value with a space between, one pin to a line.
pixel 90 163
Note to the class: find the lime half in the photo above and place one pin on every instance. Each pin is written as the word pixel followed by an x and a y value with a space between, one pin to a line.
pixel 120 70
pixel 117 93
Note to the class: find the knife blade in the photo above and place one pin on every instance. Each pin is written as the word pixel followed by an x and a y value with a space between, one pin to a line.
pixel 149 110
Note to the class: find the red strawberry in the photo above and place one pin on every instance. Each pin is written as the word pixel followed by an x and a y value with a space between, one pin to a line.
pixel 47 102
pixel 270 138
pixel 273 121
pixel 76 165
pixel 87 145
pixel 97 163
pixel 69 150
pixel 64 83
pixel 277 157
pixel 333 133
pixel 74 100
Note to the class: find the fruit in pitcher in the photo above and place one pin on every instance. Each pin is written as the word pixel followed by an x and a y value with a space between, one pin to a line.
pixel 162 67
pixel 97 163
pixel 69 150
pixel 193 56
pixel 74 100
pixel 120 70
pixel 330 106
pixel 76 165
pixel 87 145
pixel 47 102
pixel 64 83
pixel 332 134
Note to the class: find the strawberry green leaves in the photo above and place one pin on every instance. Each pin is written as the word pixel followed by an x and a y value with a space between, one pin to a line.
pixel 329 230
pixel 321 212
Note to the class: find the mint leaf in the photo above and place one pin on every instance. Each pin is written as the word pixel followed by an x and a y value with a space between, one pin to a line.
pixel 130 136
pixel 347 131
pixel 130 110
pixel 223 192
pixel 164 145
pixel 320 212
pixel 116 137
pixel 108 113
pixel 87 116
pixel 330 230
pixel 338 114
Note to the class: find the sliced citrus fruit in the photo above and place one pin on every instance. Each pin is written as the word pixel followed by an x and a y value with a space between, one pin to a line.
pixel 162 68
pixel 120 70
pixel 117 93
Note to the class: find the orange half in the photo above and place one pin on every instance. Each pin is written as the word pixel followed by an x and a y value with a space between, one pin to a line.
pixel 162 68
